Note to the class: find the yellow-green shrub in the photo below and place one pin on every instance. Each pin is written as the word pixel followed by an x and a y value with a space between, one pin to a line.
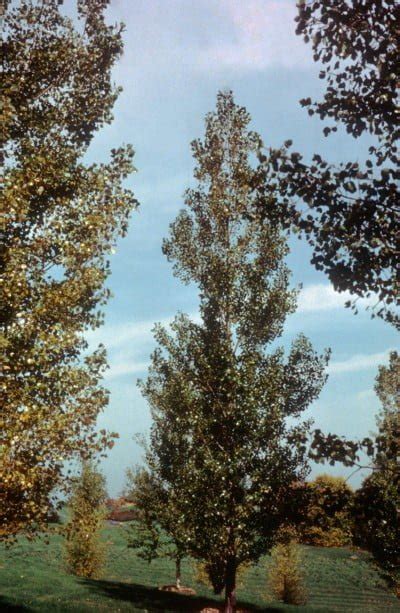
pixel 285 579
pixel 84 551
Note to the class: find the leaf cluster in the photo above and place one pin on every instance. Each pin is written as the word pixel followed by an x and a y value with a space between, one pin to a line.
pixel 348 212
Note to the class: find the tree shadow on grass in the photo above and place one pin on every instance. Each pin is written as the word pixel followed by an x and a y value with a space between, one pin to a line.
pixel 153 599
pixel 5 605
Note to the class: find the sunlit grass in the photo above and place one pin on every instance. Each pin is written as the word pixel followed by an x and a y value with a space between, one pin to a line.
pixel 33 576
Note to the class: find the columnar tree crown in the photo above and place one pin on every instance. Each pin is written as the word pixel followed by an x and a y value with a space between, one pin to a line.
pixel 226 435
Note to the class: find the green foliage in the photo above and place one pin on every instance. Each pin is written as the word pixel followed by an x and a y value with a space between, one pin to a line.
pixel 221 440
pixel 85 553
pixel 383 448
pixel 328 517
pixel 376 521
pixel 387 388
pixel 376 518
pixel 377 502
pixel 285 579
pixel 60 219
pixel 387 385
pixel 144 532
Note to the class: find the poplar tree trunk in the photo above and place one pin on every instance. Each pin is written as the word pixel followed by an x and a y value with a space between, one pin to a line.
pixel 230 586
pixel 178 573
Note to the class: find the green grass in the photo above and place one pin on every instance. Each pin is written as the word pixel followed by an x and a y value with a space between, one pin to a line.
pixel 33 578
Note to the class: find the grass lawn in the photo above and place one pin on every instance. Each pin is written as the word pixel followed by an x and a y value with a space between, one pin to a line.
pixel 33 578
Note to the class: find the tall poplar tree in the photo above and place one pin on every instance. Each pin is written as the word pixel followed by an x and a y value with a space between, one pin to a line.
pixel 60 219
pixel 219 401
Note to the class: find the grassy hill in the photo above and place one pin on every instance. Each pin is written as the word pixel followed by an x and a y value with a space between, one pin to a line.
pixel 33 578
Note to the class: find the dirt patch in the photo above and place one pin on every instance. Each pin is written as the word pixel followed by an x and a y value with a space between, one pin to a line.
pixel 188 591
pixel 121 515
pixel 211 610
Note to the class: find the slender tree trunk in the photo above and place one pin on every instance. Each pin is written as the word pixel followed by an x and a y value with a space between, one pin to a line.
pixel 178 573
pixel 230 586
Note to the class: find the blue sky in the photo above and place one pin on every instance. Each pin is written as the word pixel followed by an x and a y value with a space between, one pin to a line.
pixel 178 54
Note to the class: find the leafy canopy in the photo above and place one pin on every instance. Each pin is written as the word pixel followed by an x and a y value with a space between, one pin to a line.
pixel 349 212
pixel 60 219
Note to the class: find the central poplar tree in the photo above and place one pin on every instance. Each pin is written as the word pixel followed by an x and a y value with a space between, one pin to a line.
pixel 225 441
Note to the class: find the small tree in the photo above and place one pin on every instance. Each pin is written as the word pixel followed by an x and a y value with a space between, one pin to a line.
pixel 85 554
pixel 387 388
pixel 285 578
pixel 224 405
pixel 376 520
pixel 155 531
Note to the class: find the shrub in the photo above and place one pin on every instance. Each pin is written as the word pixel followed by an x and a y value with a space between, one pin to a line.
pixel 329 520
pixel 285 580
pixel 85 553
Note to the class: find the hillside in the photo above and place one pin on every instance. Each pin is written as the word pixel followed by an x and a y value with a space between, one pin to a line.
pixel 32 578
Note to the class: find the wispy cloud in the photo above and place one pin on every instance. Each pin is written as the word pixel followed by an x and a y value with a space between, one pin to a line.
pixel 136 332
pixel 262 35
pixel 366 395
pixel 209 37
pixel 118 335
pixel 321 297
pixel 359 362
pixel 127 367
pixel 128 345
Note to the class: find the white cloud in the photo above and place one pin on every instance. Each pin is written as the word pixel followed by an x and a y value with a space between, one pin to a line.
pixel 321 297
pixel 119 335
pixel 113 336
pixel 120 369
pixel 318 297
pixel 208 37
pixel 263 35
pixel 359 362
pixel 128 345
